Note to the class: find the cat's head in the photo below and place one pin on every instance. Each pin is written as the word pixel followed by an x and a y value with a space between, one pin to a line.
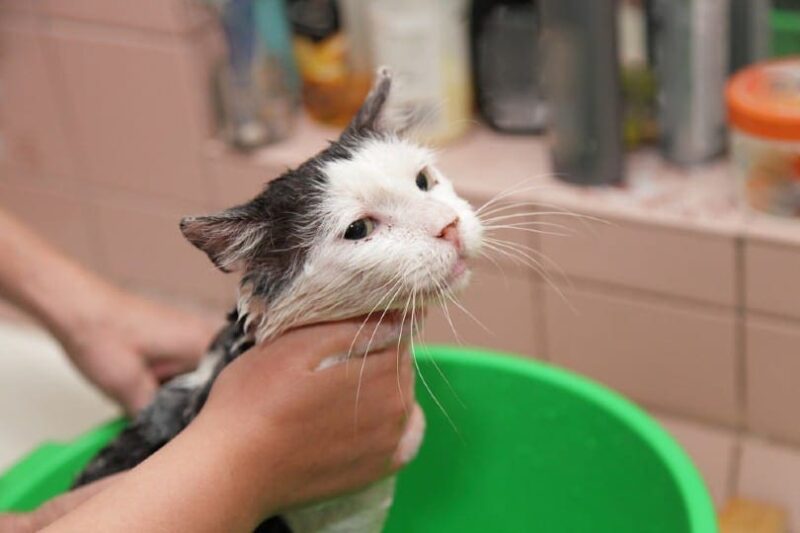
pixel 367 224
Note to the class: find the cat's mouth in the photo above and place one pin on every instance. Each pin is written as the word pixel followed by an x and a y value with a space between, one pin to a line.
pixel 458 271
pixel 455 280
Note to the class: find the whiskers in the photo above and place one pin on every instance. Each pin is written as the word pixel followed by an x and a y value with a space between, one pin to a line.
pixel 408 293
pixel 414 358
pixel 408 302
pixel 536 218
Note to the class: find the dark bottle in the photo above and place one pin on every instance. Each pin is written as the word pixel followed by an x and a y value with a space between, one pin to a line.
pixel 582 82
pixel 506 58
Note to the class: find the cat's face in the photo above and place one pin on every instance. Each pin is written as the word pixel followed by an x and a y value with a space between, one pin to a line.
pixel 392 217
pixel 368 224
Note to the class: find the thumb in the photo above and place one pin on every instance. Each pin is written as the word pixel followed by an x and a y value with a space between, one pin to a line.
pixel 350 337
pixel 136 392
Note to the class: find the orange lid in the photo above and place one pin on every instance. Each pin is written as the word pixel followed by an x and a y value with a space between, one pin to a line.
pixel 764 100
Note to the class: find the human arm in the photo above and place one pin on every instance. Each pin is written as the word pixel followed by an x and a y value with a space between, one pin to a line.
pixel 122 343
pixel 275 433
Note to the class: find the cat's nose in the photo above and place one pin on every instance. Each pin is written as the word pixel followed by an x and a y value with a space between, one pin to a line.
pixel 450 233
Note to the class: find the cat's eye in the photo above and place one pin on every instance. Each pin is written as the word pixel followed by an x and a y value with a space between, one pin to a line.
pixel 359 229
pixel 423 180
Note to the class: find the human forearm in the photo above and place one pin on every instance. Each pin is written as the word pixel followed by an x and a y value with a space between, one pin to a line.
pixel 123 344
pixel 275 433
pixel 37 278
pixel 195 483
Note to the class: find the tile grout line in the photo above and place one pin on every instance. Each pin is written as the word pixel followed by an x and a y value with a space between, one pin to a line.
pixel 741 330
pixel 735 466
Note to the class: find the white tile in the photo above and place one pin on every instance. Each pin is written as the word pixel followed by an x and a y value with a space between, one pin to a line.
pixel 711 450
pixel 42 397
pixel 771 473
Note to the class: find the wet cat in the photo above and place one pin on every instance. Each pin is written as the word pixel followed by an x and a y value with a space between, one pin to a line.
pixel 367 224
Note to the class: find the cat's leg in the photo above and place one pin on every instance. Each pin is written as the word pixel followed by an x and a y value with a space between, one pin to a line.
pixel 175 405
pixel 157 424
pixel 153 428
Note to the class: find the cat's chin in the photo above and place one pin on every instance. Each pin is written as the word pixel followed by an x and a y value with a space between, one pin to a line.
pixel 456 281
pixel 459 277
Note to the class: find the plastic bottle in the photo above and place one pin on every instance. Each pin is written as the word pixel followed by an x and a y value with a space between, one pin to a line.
pixel 506 59
pixel 256 84
pixel 691 44
pixel 426 46
pixel 583 90
pixel 332 92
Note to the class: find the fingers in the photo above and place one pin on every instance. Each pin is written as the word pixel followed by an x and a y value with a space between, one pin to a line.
pixel 393 362
pixel 379 388
pixel 135 394
pixel 315 343
pixel 188 342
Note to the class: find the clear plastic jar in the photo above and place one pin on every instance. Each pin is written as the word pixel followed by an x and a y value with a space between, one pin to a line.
pixel 764 112
pixel 768 172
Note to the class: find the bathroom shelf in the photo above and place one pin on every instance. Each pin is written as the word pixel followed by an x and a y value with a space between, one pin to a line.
pixel 484 163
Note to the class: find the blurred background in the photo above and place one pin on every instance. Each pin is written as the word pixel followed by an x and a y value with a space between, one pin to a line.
pixel 660 138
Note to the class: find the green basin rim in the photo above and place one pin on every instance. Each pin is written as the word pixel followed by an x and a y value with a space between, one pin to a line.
pixel 699 509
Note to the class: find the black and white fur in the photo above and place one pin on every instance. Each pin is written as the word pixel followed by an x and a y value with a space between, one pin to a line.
pixel 297 268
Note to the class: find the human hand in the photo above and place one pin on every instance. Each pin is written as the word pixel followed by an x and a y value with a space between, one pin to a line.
pixel 276 432
pixel 122 343
pixel 298 434
pixel 127 345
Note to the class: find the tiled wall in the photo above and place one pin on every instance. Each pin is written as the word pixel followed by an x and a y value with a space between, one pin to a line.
pixel 104 117
pixel 104 121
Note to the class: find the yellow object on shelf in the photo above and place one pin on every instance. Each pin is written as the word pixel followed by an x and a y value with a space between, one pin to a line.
pixel 331 92
pixel 748 516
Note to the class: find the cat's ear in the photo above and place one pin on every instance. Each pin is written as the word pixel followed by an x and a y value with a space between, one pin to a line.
pixel 377 113
pixel 228 238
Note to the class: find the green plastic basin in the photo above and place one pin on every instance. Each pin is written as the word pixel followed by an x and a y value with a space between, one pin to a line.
pixel 524 447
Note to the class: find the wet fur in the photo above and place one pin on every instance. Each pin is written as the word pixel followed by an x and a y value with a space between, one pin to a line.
pixel 297 269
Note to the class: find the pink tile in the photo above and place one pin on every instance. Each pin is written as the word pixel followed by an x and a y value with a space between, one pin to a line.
pixel 139 113
pixel 236 178
pixel 145 248
pixel 34 139
pixel 61 219
pixel 773 377
pixel 771 473
pixel 485 163
pixel 15 7
pixel 711 449
pixel 771 272
pixel 681 359
pixel 654 258
pixel 506 305
pixel 205 50
pixel 510 244
pixel 165 15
